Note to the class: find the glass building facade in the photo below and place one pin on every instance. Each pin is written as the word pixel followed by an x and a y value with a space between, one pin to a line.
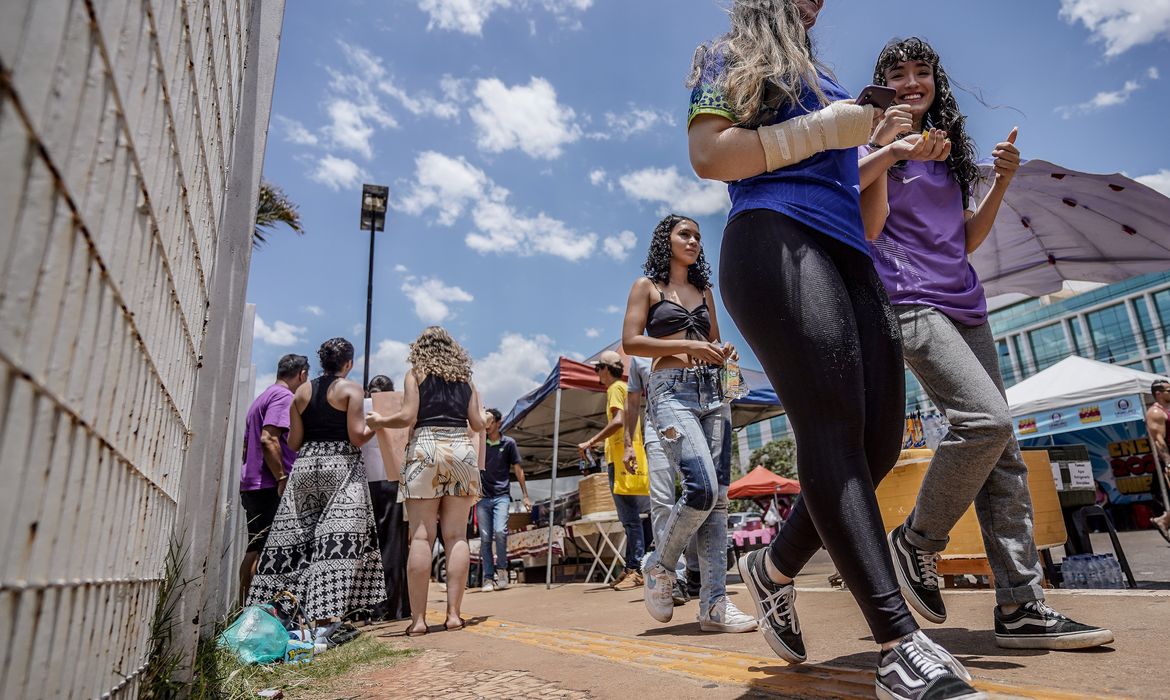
pixel 1125 323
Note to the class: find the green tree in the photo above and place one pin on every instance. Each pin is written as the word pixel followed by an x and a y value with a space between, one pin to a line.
pixel 778 457
pixel 274 208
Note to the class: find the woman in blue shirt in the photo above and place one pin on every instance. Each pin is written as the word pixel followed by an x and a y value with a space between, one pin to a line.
pixel 768 118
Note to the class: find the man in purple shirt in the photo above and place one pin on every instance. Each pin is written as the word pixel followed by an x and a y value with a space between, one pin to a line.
pixel 267 458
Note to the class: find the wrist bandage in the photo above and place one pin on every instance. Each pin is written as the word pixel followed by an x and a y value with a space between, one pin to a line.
pixel 840 125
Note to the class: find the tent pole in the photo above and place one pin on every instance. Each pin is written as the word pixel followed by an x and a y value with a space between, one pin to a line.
pixel 552 496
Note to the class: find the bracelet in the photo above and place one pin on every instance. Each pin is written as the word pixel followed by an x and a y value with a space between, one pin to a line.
pixel 283 478
pixel 874 146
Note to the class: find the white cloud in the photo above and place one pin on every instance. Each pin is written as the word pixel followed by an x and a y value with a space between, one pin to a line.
pixel 400 268
pixel 1120 24
pixel 592 332
pixel 295 132
pixel 315 310
pixel 613 309
pixel 337 173
pixel 469 16
pixel 422 104
pixel 348 128
pixel 280 334
pixel 517 366
pixel 687 195
pixel 598 177
pixel 1112 98
pixel 389 358
pixel 1159 181
pixel 359 329
pixel 452 187
pixel 431 298
pixel 634 121
pixel 619 246
pixel 263 381
pixel 525 117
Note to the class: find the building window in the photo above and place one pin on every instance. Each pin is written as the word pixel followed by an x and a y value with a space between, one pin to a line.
pixel 1162 304
pixel 1140 365
pixel 1080 347
pixel 1025 369
pixel 1112 334
pixel 1006 368
pixel 1157 366
pixel 1049 345
pixel 753 437
pixel 1149 332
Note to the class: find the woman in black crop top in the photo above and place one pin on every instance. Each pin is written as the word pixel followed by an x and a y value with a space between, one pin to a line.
pixel 322 545
pixel 440 476
pixel 673 305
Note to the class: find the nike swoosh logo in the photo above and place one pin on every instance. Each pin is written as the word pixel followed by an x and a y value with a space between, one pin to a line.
pixel 908 180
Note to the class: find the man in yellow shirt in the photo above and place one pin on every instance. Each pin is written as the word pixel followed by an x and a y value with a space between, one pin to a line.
pixel 629 508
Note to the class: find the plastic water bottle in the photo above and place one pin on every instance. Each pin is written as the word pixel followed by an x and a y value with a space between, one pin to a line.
pixel 1096 572
pixel 1073 571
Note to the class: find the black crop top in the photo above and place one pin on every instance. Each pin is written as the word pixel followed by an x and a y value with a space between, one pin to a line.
pixel 669 317
pixel 324 423
pixel 442 404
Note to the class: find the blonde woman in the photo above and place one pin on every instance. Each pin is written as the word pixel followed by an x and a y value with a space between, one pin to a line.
pixel 770 119
pixel 440 479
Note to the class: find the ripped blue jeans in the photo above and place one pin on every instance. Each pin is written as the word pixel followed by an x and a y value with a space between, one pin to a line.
pixel 694 426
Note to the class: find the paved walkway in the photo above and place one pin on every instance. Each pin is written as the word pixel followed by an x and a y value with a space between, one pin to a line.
pixel 587 641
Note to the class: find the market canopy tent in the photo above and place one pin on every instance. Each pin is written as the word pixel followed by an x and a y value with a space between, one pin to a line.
pixel 1077 381
pixel 760 482
pixel 570 404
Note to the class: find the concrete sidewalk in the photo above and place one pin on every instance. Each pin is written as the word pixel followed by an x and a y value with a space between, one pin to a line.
pixel 587 641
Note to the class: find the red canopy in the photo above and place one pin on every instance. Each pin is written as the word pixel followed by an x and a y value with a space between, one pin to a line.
pixel 761 482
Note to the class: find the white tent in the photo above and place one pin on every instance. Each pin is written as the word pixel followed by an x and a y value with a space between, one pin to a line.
pixel 1075 381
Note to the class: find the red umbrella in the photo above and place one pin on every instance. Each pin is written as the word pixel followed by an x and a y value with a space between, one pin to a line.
pixel 761 482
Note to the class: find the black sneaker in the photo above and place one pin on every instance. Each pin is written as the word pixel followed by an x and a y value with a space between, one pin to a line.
pixel 679 594
pixel 1037 626
pixel 912 670
pixel 917 571
pixel 775 608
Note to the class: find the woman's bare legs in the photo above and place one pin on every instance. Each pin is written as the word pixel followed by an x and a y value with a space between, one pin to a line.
pixel 423 514
pixel 453 512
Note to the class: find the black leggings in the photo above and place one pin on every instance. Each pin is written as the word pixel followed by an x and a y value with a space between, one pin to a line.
pixel 815 314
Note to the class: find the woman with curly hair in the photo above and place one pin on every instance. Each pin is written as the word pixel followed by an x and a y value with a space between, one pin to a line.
pixel 440 477
pixel 323 546
pixel 768 118
pixel 921 256
pixel 670 317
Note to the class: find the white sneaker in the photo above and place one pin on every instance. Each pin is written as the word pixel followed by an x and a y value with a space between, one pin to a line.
pixel 658 593
pixel 725 617
pixel 501 580
pixel 489 585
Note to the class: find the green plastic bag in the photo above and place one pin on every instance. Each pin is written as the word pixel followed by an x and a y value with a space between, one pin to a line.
pixel 256 637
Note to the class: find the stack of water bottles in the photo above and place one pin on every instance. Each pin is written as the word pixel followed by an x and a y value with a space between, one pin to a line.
pixel 1092 571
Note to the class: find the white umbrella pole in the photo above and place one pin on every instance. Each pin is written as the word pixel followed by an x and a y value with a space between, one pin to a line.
pixel 552 496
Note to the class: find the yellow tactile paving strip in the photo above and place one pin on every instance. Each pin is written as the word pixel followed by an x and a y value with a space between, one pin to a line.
pixel 725 667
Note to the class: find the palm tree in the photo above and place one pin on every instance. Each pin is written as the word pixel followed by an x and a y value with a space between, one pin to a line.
pixel 274 207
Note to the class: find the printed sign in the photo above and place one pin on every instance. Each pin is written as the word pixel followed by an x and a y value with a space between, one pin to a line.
pixel 1133 466
pixel 1120 410
pixel 1026 426
pixel 1090 414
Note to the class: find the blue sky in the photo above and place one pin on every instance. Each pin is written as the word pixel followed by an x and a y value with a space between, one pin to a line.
pixel 531 145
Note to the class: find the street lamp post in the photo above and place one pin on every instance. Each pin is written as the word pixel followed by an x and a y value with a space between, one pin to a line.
pixel 374 198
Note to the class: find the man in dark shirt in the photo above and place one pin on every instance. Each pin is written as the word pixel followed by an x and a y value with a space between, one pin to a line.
pixel 501 460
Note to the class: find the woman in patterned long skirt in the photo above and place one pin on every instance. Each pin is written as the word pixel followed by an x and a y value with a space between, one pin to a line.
pixel 440 477
pixel 322 546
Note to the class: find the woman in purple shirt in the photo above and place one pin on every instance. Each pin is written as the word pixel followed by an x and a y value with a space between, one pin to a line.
pixel 921 257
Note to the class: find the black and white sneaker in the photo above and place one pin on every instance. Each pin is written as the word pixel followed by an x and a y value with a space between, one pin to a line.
pixel 912 671
pixel 775 608
pixel 1037 626
pixel 917 571
pixel 679 594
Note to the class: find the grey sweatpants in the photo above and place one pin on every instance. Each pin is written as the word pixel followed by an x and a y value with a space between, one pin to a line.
pixel 979 459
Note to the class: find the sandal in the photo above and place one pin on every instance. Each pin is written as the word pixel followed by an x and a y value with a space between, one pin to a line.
pixel 411 633
pixel 456 628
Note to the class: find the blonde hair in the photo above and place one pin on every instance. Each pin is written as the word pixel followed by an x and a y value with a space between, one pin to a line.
pixel 436 352
pixel 766 47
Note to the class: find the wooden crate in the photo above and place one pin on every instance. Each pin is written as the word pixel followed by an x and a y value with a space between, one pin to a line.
pixel 965 553
pixel 595 495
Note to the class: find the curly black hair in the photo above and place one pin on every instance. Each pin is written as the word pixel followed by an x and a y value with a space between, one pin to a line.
pixel 944 111
pixel 657 265
pixel 334 353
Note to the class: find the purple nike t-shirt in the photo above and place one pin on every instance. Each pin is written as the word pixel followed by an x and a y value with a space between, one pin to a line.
pixel 269 408
pixel 921 255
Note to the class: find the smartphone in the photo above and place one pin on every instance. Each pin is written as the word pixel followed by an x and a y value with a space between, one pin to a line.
pixel 879 96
